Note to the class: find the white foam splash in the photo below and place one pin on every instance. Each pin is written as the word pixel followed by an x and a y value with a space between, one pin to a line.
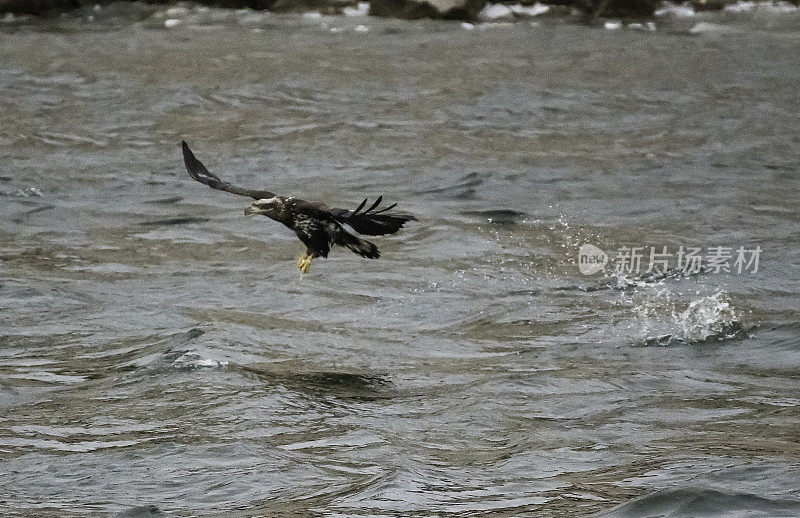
pixel 26 192
pixel 495 12
pixel 508 13
pixel 685 10
pixel 739 7
pixel 530 11
pixel 747 6
pixel 664 319
pixel 362 9
pixel 252 18
pixel 782 7
pixel 716 29
pixel 649 26
pixel 676 10
pixel 193 360
pixel 705 317
pixel 174 12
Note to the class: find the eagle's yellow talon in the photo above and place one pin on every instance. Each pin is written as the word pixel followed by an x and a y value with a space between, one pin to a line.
pixel 306 264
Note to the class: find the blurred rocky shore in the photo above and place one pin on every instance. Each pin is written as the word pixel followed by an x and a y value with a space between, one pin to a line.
pixel 468 10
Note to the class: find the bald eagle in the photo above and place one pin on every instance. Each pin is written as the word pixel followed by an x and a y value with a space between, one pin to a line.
pixel 317 225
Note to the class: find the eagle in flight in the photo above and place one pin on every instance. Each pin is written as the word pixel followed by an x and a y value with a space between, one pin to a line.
pixel 317 225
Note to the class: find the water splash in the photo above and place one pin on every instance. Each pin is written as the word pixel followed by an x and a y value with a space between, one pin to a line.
pixel 707 318
pixel 27 192
pixel 194 360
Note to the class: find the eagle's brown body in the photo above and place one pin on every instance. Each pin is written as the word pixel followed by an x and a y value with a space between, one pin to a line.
pixel 319 227
pixel 314 225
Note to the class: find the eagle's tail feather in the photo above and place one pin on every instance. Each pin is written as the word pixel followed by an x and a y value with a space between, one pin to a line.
pixel 374 224
pixel 372 221
pixel 360 246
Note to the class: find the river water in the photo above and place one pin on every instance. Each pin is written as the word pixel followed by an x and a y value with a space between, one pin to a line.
pixel 160 352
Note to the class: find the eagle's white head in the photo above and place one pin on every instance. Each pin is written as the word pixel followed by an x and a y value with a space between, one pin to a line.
pixel 270 207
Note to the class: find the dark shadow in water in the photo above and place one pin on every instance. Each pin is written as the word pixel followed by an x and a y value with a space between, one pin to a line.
pixel 465 188
pixel 167 201
pixel 140 511
pixel 328 383
pixel 172 221
pixel 500 217
pixel 703 503
pixel 728 332
pixel 637 281
pixel 172 350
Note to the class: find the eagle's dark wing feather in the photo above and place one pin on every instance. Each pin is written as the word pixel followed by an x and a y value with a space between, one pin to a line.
pixel 371 222
pixel 199 172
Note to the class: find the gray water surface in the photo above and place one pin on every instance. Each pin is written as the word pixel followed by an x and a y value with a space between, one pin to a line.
pixel 157 348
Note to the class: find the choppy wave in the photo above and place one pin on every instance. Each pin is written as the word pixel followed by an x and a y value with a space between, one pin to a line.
pixel 622 281
pixel 705 503
pixel 340 391
pixel 141 511
pixel 735 18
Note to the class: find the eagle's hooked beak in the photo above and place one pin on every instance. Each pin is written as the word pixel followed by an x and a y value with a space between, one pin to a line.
pixel 254 209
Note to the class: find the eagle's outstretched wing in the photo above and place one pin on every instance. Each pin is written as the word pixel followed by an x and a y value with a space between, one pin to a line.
pixel 372 222
pixel 199 172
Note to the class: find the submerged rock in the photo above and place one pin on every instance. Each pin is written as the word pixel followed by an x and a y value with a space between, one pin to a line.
pixel 323 6
pixel 635 9
pixel 36 6
pixel 468 10
pixel 414 9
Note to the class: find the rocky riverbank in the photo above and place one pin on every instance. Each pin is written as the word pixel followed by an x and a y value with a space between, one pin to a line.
pixel 468 10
